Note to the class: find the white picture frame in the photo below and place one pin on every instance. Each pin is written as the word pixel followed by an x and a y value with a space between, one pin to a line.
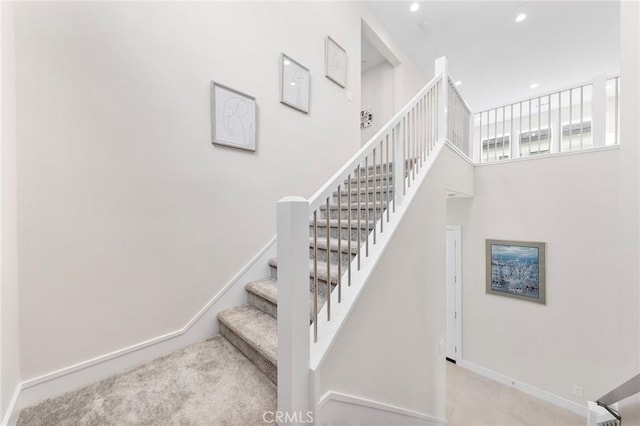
pixel 335 62
pixel 233 118
pixel 295 84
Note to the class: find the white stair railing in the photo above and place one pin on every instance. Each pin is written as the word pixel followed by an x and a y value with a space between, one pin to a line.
pixel 604 411
pixel 579 117
pixel 372 183
pixel 459 120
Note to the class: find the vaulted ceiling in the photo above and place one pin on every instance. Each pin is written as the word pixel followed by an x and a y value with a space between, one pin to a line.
pixel 497 59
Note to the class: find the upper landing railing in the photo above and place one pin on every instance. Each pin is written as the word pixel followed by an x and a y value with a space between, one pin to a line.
pixel 577 118
pixel 329 242
pixel 604 412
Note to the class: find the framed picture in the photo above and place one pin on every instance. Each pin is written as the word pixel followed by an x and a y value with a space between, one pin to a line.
pixel 516 269
pixel 233 117
pixel 335 62
pixel 294 84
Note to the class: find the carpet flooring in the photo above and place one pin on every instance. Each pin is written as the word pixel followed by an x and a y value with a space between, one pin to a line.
pixel 473 400
pixel 209 383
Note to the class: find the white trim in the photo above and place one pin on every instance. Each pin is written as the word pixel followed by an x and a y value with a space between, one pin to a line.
pixel 458 233
pixel 202 326
pixel 597 415
pixel 11 415
pixel 546 156
pixel 376 405
pixel 543 94
pixel 329 330
pixel 574 407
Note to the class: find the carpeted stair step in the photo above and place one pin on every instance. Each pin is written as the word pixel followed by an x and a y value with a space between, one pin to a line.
pixel 347 231
pixel 378 178
pixel 372 209
pixel 385 167
pixel 345 256
pixel 263 295
pixel 379 191
pixel 255 334
pixel 322 275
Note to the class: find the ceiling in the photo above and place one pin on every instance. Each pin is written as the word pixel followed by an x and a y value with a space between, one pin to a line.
pixel 561 43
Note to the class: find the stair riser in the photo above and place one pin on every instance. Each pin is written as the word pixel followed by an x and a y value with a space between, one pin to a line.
pixel 380 182
pixel 385 167
pixel 344 196
pixel 345 233
pixel 344 213
pixel 263 304
pixel 263 364
pixel 322 257
pixel 322 283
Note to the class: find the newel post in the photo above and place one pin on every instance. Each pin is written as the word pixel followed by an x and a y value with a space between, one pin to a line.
pixel 599 110
pixel 442 68
pixel 293 306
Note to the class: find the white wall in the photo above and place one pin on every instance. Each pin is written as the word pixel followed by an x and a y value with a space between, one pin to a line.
pixel 629 185
pixel 586 334
pixel 129 219
pixel 377 95
pixel 395 329
pixel 9 343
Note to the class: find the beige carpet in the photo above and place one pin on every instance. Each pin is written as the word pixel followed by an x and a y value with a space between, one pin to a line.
pixel 210 383
pixel 473 400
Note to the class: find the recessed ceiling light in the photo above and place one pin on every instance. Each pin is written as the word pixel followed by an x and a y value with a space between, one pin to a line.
pixel 520 15
pixel 414 7
pixel 458 83
pixel 534 85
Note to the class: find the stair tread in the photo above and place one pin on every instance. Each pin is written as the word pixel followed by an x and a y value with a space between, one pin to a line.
pixel 322 269
pixel 354 189
pixel 268 289
pixel 333 223
pixel 255 327
pixel 363 178
pixel 333 243
pixel 361 205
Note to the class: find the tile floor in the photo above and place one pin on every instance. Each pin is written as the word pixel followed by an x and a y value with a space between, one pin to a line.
pixel 473 400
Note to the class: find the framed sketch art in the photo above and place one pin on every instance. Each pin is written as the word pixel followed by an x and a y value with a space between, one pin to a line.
pixel 335 62
pixel 294 84
pixel 233 117
pixel 516 269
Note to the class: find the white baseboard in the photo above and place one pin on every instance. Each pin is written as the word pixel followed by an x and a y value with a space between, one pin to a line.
pixel 574 407
pixel 11 415
pixel 201 327
pixel 338 409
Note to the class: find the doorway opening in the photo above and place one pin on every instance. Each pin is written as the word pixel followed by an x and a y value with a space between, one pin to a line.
pixel 377 83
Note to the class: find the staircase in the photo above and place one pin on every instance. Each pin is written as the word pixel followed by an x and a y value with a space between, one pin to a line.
pixel 252 328
pixel 341 231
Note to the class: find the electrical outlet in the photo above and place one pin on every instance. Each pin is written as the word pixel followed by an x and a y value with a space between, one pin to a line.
pixel 577 391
